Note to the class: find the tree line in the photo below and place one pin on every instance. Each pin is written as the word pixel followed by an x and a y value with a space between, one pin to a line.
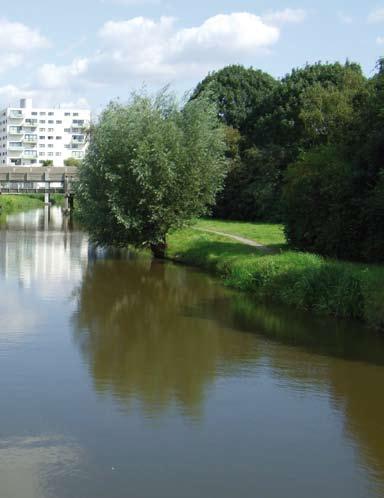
pixel 306 150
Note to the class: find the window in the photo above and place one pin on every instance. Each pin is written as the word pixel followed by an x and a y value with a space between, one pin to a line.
pixel 50 121
pixel 50 154
pixel 67 130
pixel 58 153
pixel 76 153
pixel 41 129
pixel 59 138
pixel 42 113
pixel 51 129
pixel 75 113
pixel 42 121
pixel 50 146
pixel 58 121
pixel 42 137
pixel 67 114
pixel 50 138
pixel 41 153
pixel 42 146
pixel 51 114
pixel 34 113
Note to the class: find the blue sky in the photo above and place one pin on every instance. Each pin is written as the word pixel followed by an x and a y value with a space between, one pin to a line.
pixel 88 52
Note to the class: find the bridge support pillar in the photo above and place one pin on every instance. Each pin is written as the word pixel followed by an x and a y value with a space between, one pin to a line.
pixel 47 199
pixel 68 203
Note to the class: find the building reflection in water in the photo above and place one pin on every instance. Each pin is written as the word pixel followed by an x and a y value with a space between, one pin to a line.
pixel 42 245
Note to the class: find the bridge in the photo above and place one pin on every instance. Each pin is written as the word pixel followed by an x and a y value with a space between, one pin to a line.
pixel 39 180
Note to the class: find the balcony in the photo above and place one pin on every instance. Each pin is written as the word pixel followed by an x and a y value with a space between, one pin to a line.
pixel 31 122
pixel 15 114
pixel 29 154
pixel 30 139
pixel 15 130
pixel 76 145
pixel 15 146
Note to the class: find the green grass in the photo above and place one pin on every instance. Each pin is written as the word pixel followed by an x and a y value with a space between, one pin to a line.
pixel 264 233
pixel 302 280
pixel 16 203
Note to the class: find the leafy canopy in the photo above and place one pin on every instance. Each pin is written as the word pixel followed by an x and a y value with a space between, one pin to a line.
pixel 150 168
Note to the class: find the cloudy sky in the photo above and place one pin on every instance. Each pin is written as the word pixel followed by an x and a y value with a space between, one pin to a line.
pixel 91 51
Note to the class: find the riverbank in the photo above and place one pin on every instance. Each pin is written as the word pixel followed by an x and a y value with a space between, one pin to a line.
pixel 17 203
pixel 302 280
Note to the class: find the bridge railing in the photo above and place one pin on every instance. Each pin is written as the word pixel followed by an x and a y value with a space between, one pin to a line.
pixel 37 179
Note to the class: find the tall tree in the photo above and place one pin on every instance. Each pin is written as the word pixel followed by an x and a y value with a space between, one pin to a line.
pixel 150 168
pixel 237 92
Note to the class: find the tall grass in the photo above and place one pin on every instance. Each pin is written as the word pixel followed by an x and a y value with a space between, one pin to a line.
pixel 16 203
pixel 302 280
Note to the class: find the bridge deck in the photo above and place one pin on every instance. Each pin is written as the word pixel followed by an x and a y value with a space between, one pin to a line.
pixel 36 179
pixel 37 174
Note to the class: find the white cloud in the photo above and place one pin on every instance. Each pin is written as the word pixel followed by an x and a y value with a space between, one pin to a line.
pixel 285 16
pixel 157 51
pixel 148 49
pixel 16 41
pixel 53 76
pixel 344 18
pixel 376 16
pixel 65 97
pixel 380 40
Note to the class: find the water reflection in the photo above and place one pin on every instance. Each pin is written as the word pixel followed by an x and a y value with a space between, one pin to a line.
pixel 133 329
pixel 161 334
pixel 31 466
pixel 42 246
pixel 179 381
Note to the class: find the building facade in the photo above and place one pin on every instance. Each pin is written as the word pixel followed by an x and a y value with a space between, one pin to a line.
pixel 30 136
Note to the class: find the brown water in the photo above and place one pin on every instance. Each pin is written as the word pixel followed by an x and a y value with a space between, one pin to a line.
pixel 121 377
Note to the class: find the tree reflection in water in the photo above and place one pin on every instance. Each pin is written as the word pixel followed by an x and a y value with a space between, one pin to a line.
pixel 161 334
pixel 137 331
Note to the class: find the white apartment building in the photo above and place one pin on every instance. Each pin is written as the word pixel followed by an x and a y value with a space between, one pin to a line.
pixel 30 135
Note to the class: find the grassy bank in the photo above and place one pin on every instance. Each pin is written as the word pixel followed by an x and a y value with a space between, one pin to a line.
pixel 302 280
pixel 16 203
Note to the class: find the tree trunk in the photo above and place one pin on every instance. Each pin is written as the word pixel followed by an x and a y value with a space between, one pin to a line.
pixel 158 250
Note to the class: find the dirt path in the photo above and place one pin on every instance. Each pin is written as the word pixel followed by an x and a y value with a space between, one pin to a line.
pixel 247 242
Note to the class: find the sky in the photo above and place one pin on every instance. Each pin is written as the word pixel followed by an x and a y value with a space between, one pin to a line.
pixel 89 52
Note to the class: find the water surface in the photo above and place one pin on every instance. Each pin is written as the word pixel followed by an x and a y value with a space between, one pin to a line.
pixel 122 377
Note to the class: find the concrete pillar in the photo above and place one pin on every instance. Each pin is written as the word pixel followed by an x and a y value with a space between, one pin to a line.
pixel 47 215
pixel 47 199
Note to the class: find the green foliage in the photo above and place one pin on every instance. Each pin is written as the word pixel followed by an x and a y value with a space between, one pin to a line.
pixel 72 161
pixel 149 169
pixel 47 162
pixel 334 194
pixel 16 203
pixel 237 91
pixel 301 280
pixel 320 204
pixel 277 121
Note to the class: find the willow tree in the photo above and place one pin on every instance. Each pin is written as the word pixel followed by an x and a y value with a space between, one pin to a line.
pixel 150 168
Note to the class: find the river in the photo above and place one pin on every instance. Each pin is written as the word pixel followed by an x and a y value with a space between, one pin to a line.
pixel 121 377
